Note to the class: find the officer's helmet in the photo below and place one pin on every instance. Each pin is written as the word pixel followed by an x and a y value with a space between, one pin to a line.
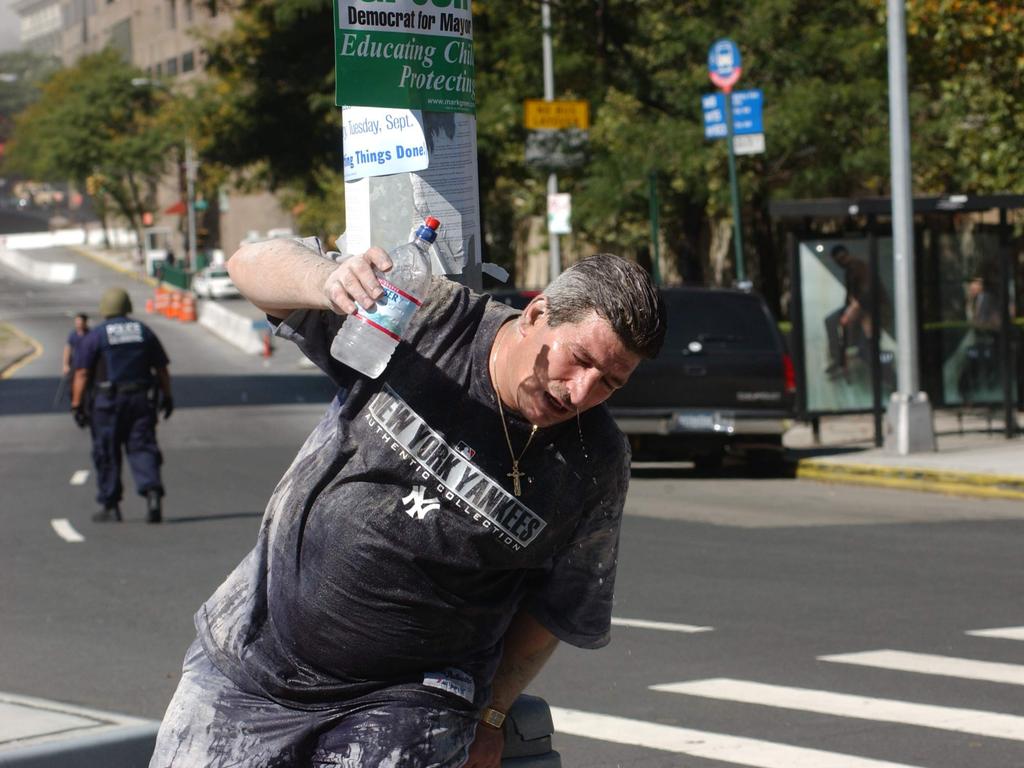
pixel 115 302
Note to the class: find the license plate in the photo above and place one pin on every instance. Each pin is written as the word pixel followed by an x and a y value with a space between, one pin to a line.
pixel 696 422
pixel 705 421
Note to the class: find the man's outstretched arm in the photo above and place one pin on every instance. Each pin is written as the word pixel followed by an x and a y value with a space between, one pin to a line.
pixel 528 646
pixel 280 276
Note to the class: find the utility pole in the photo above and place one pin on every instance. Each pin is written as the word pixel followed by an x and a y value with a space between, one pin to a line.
pixel 555 263
pixel 191 166
pixel 424 106
pixel 910 428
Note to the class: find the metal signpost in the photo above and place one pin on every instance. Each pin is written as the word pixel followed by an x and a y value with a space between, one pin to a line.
pixel 725 68
pixel 555 254
pixel 910 414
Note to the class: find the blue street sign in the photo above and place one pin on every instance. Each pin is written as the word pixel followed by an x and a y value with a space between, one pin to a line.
pixel 723 57
pixel 746 113
pixel 724 63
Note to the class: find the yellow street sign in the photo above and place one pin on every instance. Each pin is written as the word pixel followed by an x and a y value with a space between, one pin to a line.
pixel 541 115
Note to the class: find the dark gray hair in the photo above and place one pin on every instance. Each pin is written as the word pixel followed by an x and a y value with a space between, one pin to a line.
pixel 620 291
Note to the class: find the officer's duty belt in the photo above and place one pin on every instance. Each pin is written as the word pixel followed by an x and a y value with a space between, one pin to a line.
pixel 123 387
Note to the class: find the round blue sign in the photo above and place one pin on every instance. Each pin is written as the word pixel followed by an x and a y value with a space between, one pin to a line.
pixel 723 58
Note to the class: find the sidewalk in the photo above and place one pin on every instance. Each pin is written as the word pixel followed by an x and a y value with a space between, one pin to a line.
pixel 974 458
pixel 118 259
pixel 36 733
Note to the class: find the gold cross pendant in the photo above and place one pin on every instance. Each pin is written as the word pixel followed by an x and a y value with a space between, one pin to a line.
pixel 515 474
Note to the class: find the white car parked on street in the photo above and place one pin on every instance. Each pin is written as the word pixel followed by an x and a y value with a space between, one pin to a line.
pixel 214 283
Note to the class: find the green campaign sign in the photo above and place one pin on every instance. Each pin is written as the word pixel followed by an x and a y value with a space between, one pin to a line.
pixel 412 54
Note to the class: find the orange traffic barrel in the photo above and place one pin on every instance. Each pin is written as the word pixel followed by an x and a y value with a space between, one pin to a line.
pixel 175 310
pixel 187 311
pixel 149 306
pixel 161 300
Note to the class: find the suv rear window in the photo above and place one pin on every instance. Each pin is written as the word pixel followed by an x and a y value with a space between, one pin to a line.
pixel 718 320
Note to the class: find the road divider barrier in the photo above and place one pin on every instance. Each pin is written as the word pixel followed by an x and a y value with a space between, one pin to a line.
pixel 47 271
pixel 236 329
pixel 114 237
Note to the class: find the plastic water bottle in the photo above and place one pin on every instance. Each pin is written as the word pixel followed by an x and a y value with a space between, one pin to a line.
pixel 368 338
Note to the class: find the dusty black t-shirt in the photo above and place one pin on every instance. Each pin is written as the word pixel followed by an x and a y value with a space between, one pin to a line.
pixel 392 551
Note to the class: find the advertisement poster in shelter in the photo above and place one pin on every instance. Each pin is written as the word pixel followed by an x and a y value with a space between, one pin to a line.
pixel 837 307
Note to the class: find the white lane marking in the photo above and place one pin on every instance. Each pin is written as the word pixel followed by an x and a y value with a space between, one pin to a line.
pixel 1003 633
pixel 704 744
pixel 991 724
pixel 80 477
pixel 65 530
pixel 644 624
pixel 930 664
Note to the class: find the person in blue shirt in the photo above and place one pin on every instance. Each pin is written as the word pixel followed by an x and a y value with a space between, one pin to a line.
pixel 120 366
pixel 77 334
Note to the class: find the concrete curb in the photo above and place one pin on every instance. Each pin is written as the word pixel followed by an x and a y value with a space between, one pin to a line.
pixel 975 484
pixel 114 264
pixel 126 747
pixel 39 733
pixel 29 350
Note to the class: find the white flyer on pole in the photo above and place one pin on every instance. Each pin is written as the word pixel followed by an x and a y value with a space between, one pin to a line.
pixel 379 141
pixel 560 213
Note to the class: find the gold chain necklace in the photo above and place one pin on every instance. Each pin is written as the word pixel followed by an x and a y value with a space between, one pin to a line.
pixel 515 474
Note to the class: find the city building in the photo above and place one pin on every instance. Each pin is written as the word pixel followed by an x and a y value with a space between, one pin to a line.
pixel 41 26
pixel 161 38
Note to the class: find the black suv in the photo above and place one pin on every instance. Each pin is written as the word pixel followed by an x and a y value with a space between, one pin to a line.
pixel 723 383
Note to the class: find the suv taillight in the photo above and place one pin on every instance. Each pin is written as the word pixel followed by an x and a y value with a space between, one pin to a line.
pixel 789 372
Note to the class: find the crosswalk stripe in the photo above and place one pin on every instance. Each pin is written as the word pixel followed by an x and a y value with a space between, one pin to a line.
pixel 930 664
pixel 712 746
pixel 1003 633
pixel 668 627
pixel 63 528
pixel 991 724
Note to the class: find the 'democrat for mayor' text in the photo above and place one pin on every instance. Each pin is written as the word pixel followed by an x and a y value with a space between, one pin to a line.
pixel 411 54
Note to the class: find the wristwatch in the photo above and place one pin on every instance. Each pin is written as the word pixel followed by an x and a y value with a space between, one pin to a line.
pixel 492 717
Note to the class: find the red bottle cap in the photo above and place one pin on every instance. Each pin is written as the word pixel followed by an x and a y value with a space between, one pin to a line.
pixel 432 223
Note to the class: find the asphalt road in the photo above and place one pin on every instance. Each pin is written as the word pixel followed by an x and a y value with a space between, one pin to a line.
pixel 777 575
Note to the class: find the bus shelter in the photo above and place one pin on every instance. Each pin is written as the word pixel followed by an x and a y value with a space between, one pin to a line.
pixel 969 265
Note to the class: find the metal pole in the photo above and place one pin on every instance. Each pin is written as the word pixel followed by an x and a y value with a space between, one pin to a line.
pixel 734 190
pixel 910 417
pixel 190 178
pixel 555 264
pixel 1006 326
pixel 876 333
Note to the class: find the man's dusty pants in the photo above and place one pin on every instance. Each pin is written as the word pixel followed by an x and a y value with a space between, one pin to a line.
pixel 212 723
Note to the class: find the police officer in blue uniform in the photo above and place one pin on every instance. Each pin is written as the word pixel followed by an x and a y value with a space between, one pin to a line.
pixel 120 382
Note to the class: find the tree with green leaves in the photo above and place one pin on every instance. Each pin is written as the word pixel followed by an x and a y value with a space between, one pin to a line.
pixel 642 66
pixel 94 126
pixel 266 112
